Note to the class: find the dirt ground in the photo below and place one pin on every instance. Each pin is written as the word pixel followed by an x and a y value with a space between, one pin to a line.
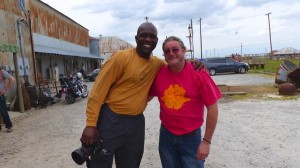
pixel 259 129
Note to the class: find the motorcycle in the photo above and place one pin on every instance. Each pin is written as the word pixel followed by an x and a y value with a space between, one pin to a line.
pixel 72 88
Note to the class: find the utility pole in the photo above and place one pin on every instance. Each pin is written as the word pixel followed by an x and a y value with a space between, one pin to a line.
pixel 214 52
pixel 241 48
pixel 190 40
pixel 271 53
pixel 19 88
pixel 200 38
pixel 192 32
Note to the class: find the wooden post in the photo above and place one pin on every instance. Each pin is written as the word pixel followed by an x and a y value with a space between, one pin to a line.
pixel 19 90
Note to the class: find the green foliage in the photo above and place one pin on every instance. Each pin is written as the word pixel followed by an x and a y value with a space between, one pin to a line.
pixel 272 65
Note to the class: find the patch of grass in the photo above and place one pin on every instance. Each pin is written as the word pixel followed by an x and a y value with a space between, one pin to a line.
pixel 262 92
pixel 272 65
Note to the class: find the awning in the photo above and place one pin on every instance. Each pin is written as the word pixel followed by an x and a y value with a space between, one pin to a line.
pixel 50 50
pixel 8 48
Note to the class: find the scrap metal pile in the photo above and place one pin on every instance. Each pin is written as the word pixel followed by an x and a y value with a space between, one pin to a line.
pixel 287 78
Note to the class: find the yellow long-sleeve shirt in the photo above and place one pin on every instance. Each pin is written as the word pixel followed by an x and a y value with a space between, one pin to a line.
pixel 123 84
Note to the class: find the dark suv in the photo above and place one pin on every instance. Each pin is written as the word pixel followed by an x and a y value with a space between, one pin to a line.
pixel 222 65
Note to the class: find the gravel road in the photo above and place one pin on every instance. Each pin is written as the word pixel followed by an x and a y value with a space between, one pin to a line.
pixel 244 79
pixel 250 133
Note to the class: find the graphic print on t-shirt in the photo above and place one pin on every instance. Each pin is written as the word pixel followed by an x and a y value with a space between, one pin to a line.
pixel 174 97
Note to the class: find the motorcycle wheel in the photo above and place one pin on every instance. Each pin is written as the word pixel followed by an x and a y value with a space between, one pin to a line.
pixel 56 99
pixel 69 99
pixel 85 91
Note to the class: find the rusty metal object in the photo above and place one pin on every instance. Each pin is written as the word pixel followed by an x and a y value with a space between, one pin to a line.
pixel 284 69
pixel 287 89
pixel 295 77
pixel 288 72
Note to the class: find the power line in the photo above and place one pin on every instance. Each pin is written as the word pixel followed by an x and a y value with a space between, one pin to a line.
pixel 236 18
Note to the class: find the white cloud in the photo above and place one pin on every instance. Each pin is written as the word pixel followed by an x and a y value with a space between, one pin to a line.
pixel 225 23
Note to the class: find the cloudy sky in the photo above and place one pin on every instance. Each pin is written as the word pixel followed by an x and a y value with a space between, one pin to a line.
pixel 227 26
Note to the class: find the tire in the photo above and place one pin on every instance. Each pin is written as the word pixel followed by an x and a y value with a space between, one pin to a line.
pixel 42 100
pixel 212 71
pixel 85 91
pixel 92 78
pixel 242 70
pixel 56 99
pixel 70 99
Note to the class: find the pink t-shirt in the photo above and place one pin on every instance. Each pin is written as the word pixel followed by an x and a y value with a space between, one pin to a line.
pixel 182 97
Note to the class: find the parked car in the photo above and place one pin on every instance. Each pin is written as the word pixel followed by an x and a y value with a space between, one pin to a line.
pixel 223 65
pixel 92 76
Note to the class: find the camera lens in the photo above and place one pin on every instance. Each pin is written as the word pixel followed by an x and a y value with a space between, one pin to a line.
pixel 80 155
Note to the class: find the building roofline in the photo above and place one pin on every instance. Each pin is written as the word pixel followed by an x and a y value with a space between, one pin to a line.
pixel 63 14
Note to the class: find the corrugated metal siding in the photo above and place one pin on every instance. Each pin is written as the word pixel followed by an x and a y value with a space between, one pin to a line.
pixel 109 45
pixel 10 12
pixel 113 44
pixel 10 6
pixel 49 22
pixel 3 27
pixel 94 46
pixel 8 16
pixel 11 28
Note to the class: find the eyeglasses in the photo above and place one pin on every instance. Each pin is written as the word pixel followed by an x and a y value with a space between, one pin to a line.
pixel 173 50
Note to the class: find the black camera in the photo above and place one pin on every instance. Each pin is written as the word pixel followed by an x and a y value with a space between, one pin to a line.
pixel 83 153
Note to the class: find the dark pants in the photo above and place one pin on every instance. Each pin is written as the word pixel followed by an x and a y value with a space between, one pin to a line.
pixel 4 113
pixel 179 151
pixel 123 137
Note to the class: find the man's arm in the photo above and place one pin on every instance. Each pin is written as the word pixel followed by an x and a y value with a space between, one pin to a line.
pixel 9 84
pixel 197 64
pixel 109 73
pixel 211 122
pixel 11 81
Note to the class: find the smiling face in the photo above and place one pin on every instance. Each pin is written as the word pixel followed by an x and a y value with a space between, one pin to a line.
pixel 174 51
pixel 146 39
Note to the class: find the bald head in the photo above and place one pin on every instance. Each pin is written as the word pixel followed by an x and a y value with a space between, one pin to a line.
pixel 146 39
pixel 146 25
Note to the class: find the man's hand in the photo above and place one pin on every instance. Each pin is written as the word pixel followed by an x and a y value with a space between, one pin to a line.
pixel 198 65
pixel 2 92
pixel 89 135
pixel 203 150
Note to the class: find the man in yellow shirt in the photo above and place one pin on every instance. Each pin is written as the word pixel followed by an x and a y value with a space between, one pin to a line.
pixel 121 91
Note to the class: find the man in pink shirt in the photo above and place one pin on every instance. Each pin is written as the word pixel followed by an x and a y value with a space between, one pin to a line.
pixel 183 93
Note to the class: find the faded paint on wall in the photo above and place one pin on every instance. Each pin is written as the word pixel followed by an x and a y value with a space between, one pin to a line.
pixel 50 22
pixel 10 12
